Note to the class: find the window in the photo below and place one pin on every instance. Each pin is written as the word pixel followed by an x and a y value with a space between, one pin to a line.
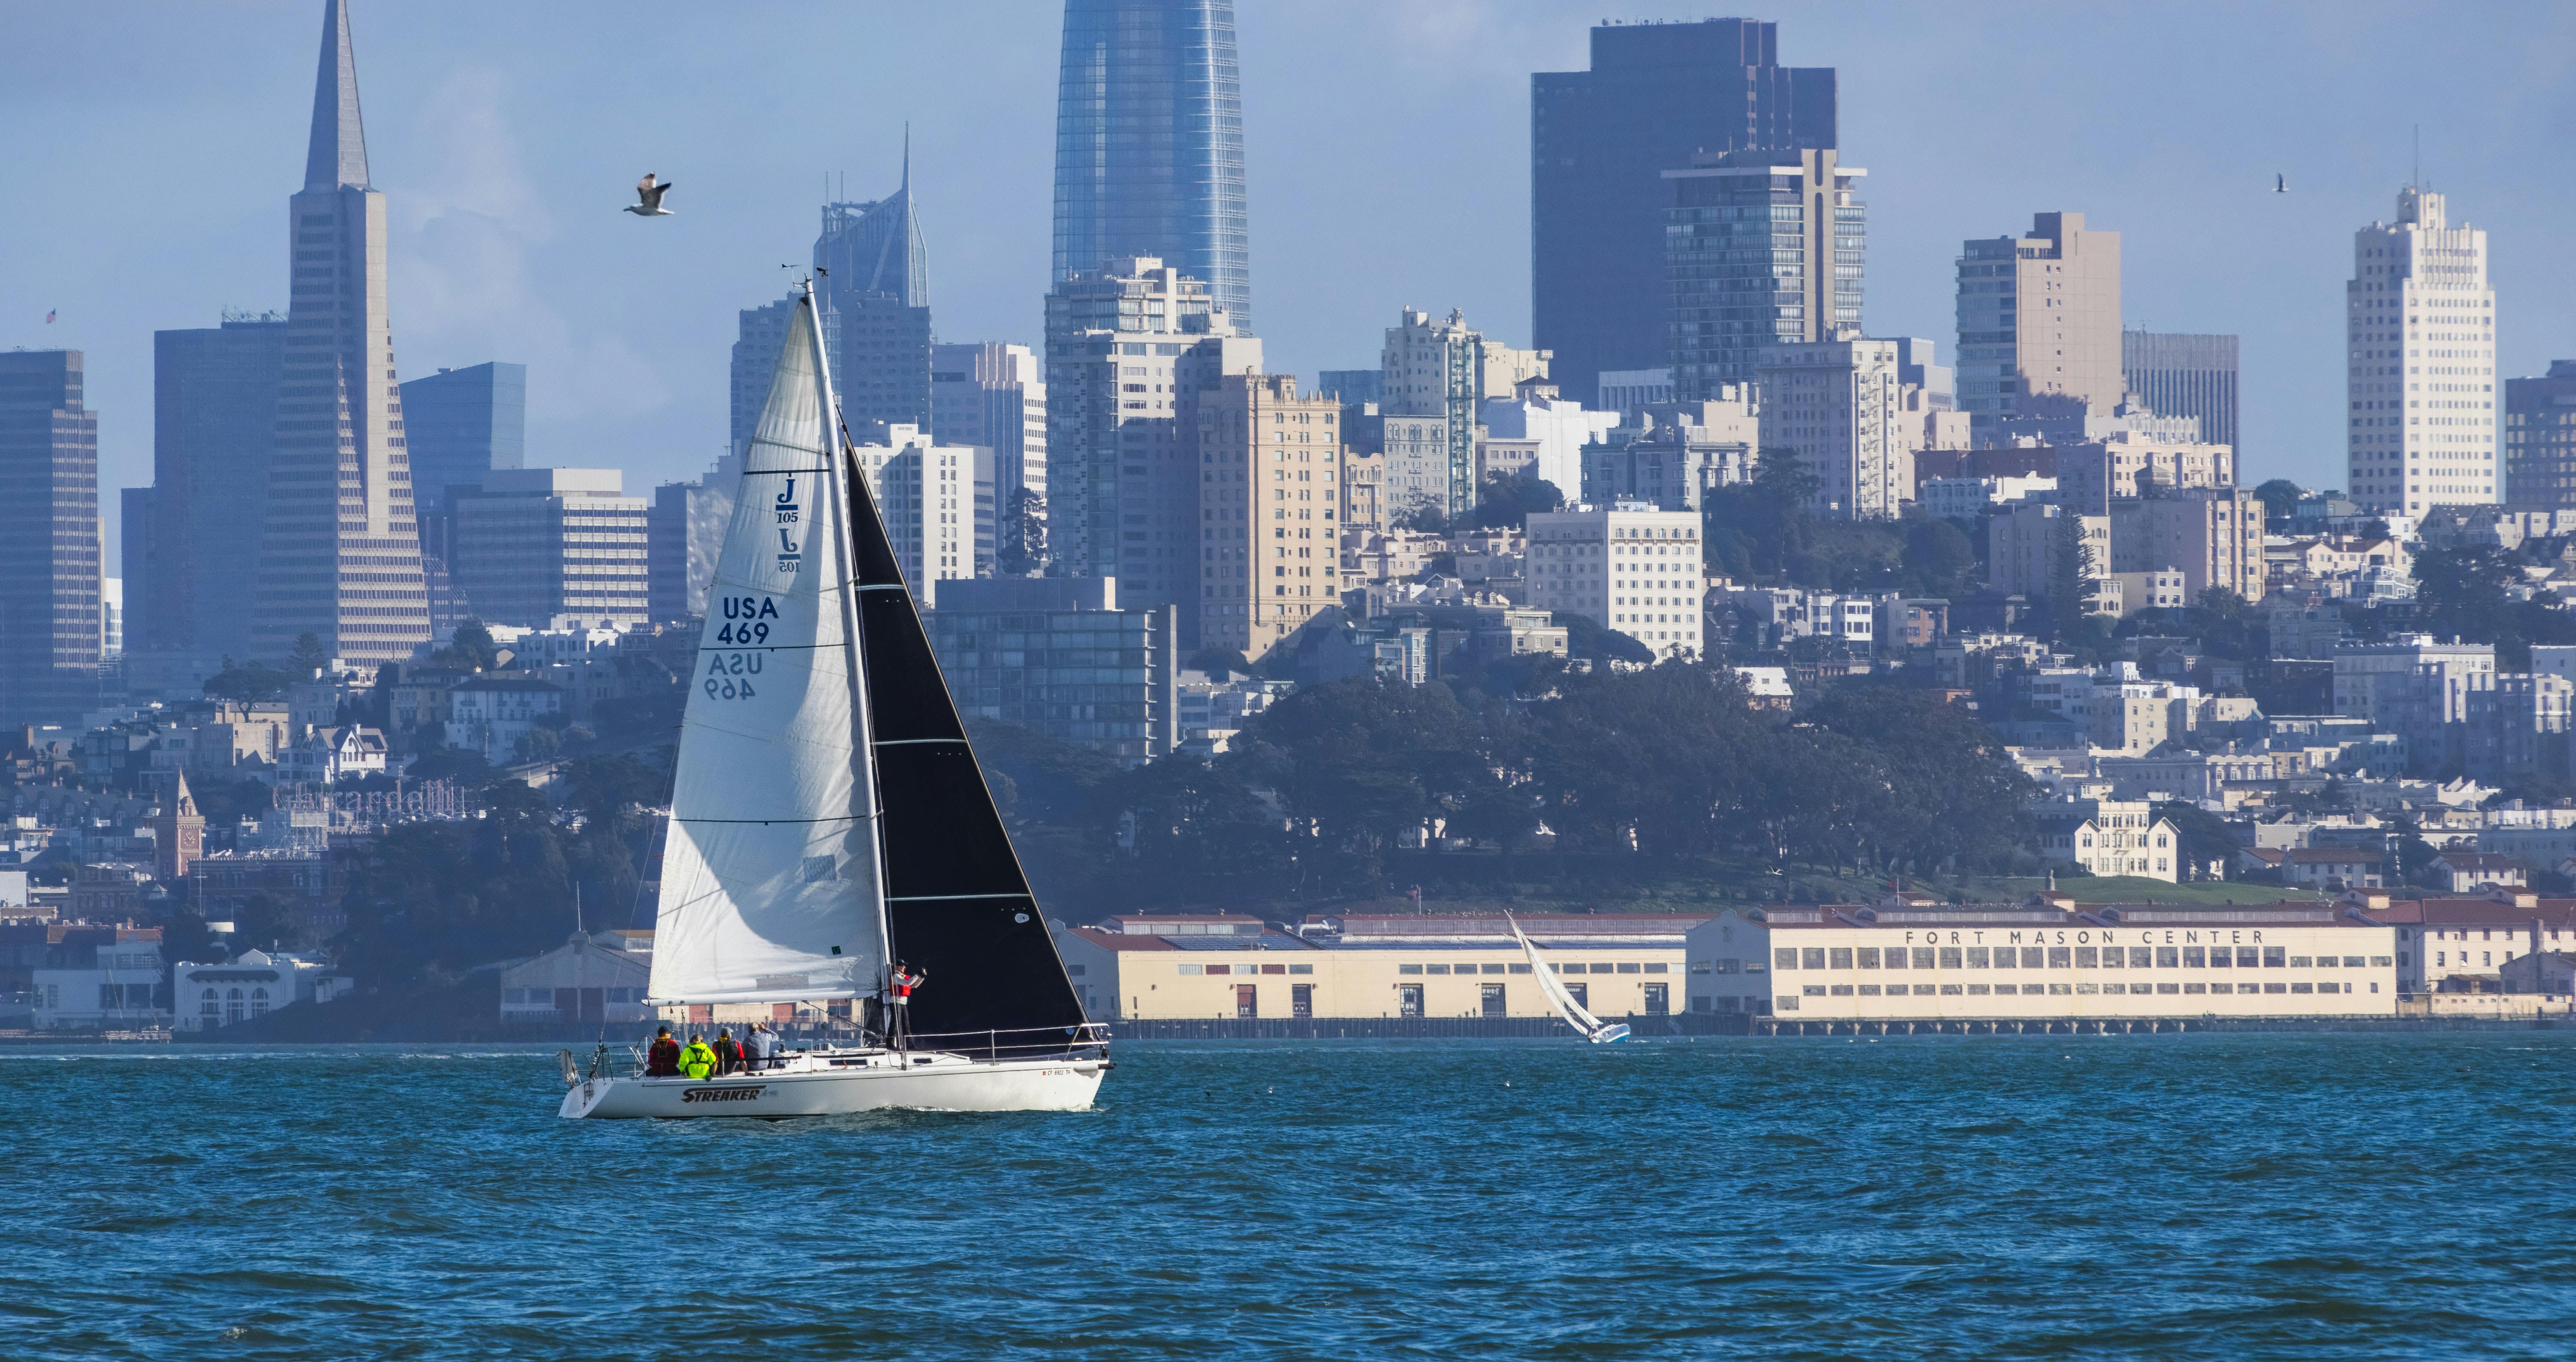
pixel 1812 957
pixel 1626 969
pixel 2220 957
pixel 1976 957
pixel 1841 957
pixel 1867 957
pixel 2192 957
pixel 2118 988
pixel 2057 957
pixel 2222 988
pixel 2168 988
pixel 2276 957
pixel 2245 957
pixel 1309 969
pixel 1842 990
pixel 1896 957
pixel 2302 962
pixel 2376 960
pixel 1576 967
pixel 1949 957
pixel 1813 990
pixel 2352 961
pixel 1440 969
pixel 1947 990
pixel 2112 957
pixel 1784 1003
pixel 2084 959
pixel 2031 956
pixel 2276 988
pixel 1869 990
pixel 1785 958
pixel 2195 987
pixel 1400 969
pixel 2168 958
pixel 1512 969
pixel 2141 957
pixel 1923 957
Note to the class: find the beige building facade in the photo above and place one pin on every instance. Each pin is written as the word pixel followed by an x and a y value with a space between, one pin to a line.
pixel 2039 314
pixel 1270 488
pixel 2044 964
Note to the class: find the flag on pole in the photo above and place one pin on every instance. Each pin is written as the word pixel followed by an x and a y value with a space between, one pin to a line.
pixel 49 316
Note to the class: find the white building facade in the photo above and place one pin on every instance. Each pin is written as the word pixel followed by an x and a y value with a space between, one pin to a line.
pixel 2420 351
pixel 1838 404
pixel 1640 572
pixel 937 502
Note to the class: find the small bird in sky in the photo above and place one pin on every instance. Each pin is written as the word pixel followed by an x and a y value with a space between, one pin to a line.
pixel 2280 184
pixel 648 196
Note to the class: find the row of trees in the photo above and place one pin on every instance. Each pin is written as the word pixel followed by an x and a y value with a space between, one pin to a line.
pixel 1664 766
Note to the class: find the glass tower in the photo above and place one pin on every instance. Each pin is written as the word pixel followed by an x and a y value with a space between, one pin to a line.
pixel 1149 144
pixel 876 290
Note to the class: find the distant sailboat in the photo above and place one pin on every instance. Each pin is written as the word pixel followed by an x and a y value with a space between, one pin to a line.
pixel 829 822
pixel 1593 1028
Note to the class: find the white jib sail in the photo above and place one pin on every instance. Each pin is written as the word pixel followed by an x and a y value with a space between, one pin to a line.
pixel 1566 1006
pixel 768 890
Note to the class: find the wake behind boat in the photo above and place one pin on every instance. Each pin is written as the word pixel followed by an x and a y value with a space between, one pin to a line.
pixel 1591 1027
pixel 829 822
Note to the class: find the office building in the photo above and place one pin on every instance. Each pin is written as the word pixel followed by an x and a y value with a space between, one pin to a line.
pixel 2039 315
pixel 872 274
pixel 1270 464
pixel 214 422
pixel 1448 369
pixel 759 333
pixel 684 533
pixel 1764 247
pixel 1629 391
pixel 2420 321
pixel 339 553
pixel 1637 571
pixel 2178 375
pixel 535 545
pixel 1839 406
pixel 2540 439
pixel 463 423
pixel 50 556
pixel 1353 386
pixel 1149 145
pixel 1058 655
pixel 1672 453
pixel 995 395
pixel 1557 431
pixel 936 500
pixel 1129 351
pixel 2212 535
pixel 1600 140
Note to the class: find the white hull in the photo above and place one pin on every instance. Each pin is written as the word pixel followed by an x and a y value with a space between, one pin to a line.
pixel 828 1085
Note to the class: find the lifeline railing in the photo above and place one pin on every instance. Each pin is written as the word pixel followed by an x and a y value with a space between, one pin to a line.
pixel 1027 1042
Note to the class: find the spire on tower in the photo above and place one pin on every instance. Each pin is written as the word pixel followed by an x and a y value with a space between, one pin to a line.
pixel 338 154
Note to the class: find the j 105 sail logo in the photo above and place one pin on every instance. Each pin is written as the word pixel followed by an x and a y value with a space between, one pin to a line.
pixel 791 556
pixel 746 625
pixel 749 1094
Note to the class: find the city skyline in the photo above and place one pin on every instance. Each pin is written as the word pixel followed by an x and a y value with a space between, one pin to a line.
pixel 501 249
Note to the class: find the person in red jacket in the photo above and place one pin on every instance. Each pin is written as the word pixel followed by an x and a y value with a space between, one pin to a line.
pixel 663 1059
pixel 899 1021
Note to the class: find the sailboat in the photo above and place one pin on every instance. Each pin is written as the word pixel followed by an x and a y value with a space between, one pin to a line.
pixel 1593 1028
pixel 830 827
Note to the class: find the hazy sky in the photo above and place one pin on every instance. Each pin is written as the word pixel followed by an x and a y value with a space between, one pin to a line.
pixel 150 148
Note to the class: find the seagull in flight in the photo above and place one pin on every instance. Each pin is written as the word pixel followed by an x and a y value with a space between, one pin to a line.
pixel 649 198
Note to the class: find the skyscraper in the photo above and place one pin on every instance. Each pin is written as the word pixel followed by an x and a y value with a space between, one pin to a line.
pixel 1271 460
pixel 1131 349
pixel 2540 439
pixel 50 560
pixel 340 551
pixel 536 544
pixel 463 423
pixel 1149 144
pixel 1443 369
pixel 2039 322
pixel 1600 141
pixel 214 423
pixel 2421 336
pixel 1764 248
pixel 995 395
pixel 874 279
pixel 2184 376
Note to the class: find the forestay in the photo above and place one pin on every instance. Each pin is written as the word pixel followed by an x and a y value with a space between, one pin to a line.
pixel 768 891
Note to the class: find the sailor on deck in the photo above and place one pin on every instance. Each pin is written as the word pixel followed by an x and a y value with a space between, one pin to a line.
pixel 899 1021
pixel 697 1061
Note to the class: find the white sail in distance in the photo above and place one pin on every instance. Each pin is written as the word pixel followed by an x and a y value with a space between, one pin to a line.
pixel 769 887
pixel 1573 1012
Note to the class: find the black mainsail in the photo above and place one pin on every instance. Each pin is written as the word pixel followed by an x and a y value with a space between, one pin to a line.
pixel 957 903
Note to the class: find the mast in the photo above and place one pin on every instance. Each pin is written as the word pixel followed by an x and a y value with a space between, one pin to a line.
pixel 846 571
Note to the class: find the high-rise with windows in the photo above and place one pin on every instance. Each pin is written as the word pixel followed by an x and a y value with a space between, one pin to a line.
pixel 50 559
pixel 2540 439
pixel 1444 369
pixel 873 277
pixel 214 422
pixel 995 395
pixel 1764 248
pixel 2039 323
pixel 339 554
pixel 1130 350
pixel 1149 144
pixel 1269 486
pixel 2420 333
pixel 2175 375
pixel 534 545
pixel 1656 96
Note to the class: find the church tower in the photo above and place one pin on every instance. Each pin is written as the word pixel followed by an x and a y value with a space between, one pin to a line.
pixel 179 834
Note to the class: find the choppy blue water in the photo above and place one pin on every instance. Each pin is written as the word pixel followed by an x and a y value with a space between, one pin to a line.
pixel 2301 1196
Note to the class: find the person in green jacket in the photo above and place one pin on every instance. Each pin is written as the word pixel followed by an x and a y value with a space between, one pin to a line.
pixel 697 1061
